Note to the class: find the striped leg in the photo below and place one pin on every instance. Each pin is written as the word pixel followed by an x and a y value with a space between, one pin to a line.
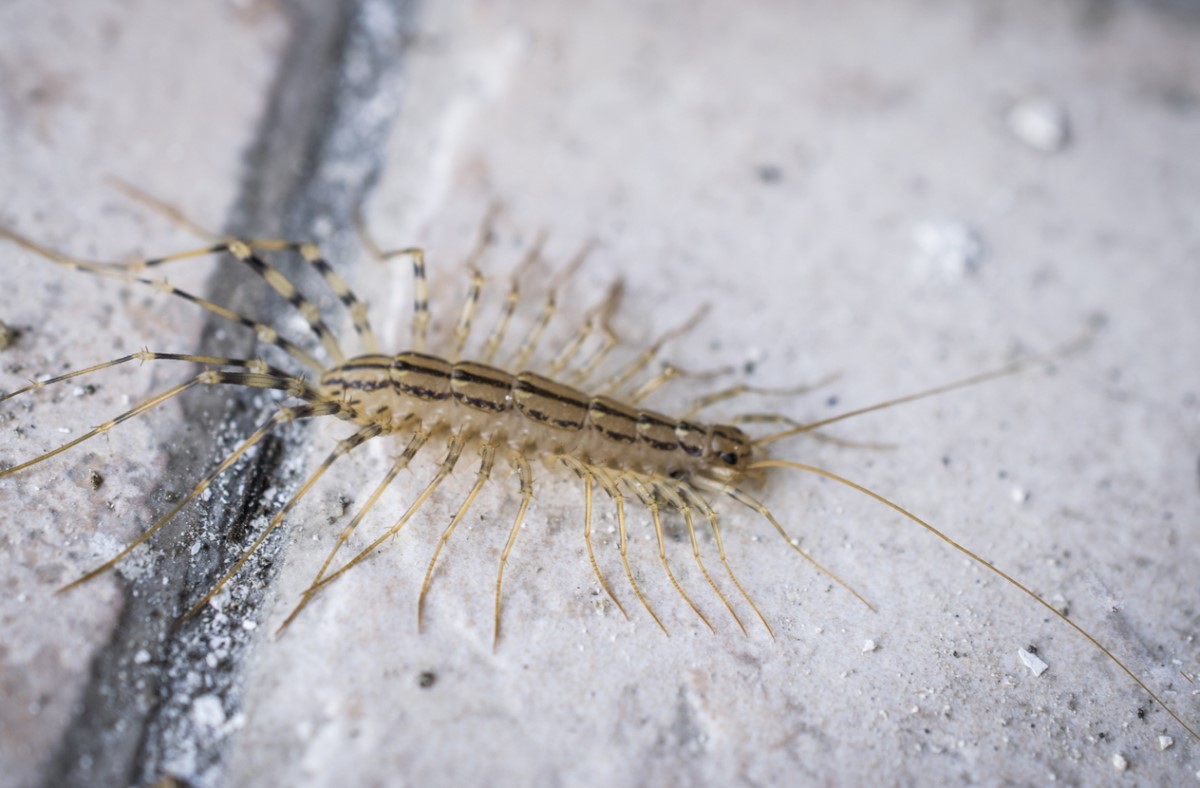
pixel 529 346
pixel 295 386
pixel 281 416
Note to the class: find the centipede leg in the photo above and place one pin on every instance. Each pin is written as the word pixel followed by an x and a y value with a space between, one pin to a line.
pixel 343 448
pixel 744 498
pixel 281 416
pixel 414 445
pixel 526 476
pixel 668 492
pixel 588 488
pixel 651 504
pixel 619 501
pixel 454 447
pixel 487 453
pixel 690 494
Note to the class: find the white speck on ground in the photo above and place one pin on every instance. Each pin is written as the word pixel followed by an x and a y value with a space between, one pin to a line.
pixel 947 249
pixel 1040 123
pixel 1119 762
pixel 1037 666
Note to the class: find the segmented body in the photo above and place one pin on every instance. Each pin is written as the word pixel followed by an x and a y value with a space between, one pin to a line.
pixel 530 410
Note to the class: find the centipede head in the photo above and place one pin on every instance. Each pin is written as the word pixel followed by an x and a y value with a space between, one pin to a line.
pixel 731 447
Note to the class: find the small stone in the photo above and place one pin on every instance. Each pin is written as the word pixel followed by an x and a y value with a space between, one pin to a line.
pixel 1165 742
pixel 869 646
pixel 1032 661
pixel 1040 123
pixel 1119 763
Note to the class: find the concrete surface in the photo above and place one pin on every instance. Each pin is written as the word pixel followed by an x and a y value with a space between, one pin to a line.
pixel 880 191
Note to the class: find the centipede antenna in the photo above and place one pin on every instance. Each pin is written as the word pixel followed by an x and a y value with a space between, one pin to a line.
pixel 1012 368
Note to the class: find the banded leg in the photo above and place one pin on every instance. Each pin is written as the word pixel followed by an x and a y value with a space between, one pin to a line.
pixel 252 365
pixel 294 386
pixel 454 447
pixel 496 337
pixel 648 501
pixel 688 493
pixel 820 437
pixel 281 416
pixel 668 493
pixel 668 373
pixel 120 272
pixel 608 341
pixel 526 476
pixel 487 454
pixel 414 445
pixel 529 346
pixel 619 501
pixel 311 254
pixel 588 482
pixel 646 356
pixel 463 329
pixel 343 448
pixel 745 499
pixel 742 388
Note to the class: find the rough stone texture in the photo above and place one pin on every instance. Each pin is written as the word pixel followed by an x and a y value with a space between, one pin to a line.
pixel 843 185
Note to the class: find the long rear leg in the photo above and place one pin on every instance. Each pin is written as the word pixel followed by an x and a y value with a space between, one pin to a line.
pixel 310 252
pixel 294 386
pixel 281 416
pixel 120 272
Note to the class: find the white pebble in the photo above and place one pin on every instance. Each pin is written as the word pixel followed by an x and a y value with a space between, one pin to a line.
pixel 1164 742
pixel 1039 123
pixel 1032 661
pixel 1119 763
pixel 868 646
pixel 945 248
